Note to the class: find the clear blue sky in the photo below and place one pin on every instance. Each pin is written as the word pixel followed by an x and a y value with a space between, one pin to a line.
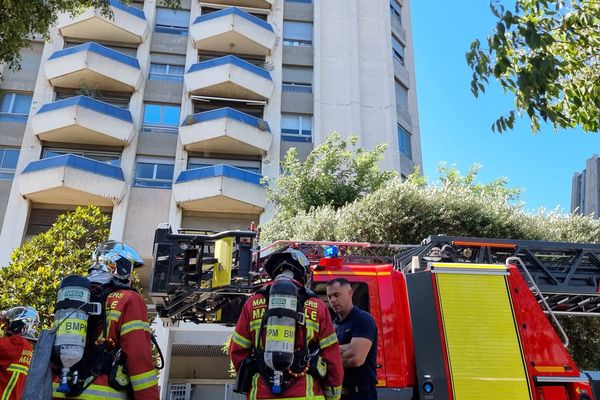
pixel 456 127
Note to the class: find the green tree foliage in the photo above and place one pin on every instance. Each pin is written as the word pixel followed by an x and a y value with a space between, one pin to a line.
pixel 335 173
pixel 22 20
pixel 407 212
pixel 37 267
pixel 547 53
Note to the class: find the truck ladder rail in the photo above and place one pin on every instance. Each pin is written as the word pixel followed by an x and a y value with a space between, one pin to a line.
pixel 541 299
pixel 566 274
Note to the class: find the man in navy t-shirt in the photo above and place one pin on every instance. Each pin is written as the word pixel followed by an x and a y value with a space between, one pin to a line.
pixel 357 334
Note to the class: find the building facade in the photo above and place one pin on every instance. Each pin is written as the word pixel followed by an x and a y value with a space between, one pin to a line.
pixel 157 115
pixel 585 189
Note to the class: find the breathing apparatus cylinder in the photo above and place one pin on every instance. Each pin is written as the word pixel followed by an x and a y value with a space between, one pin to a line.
pixel 71 321
pixel 281 330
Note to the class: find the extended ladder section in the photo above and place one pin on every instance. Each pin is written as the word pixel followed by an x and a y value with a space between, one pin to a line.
pixel 201 276
pixel 566 274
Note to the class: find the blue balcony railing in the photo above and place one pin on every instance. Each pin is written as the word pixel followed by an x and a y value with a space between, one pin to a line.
pixel 231 113
pixel 129 9
pixel 90 104
pixel 98 49
pixel 234 11
pixel 76 162
pixel 219 170
pixel 217 62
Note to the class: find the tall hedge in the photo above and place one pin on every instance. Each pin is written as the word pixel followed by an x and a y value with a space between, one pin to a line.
pixel 407 212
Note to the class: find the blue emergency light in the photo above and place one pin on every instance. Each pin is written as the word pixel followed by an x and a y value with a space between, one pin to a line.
pixel 331 252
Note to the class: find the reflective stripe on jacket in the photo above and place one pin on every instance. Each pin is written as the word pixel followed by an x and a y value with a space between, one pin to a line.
pixel 318 330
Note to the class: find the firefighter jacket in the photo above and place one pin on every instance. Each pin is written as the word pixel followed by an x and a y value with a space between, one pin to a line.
pixel 127 328
pixel 318 330
pixel 15 356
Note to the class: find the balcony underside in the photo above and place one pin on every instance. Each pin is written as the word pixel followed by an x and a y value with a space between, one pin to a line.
pixel 77 124
pixel 93 67
pixel 220 194
pixel 66 185
pixel 227 136
pixel 124 28
pixel 229 81
pixel 231 42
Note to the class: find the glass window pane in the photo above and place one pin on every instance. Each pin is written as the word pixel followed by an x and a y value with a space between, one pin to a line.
pixel 176 69
pixel 22 103
pixel 104 158
pixel 401 97
pixel 158 68
pixel 52 153
pixel 144 170
pixel 294 30
pixel 306 124
pixel 10 159
pixel 164 171
pixel 290 122
pixel 152 114
pixel 170 115
pixel 168 17
pixel 6 100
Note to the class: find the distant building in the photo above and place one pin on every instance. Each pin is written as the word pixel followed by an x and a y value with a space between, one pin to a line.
pixel 585 189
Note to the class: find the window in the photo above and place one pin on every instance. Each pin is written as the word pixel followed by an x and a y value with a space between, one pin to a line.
pixel 404 142
pixel 296 128
pixel 297 79
pixel 15 107
pixel 102 156
pixel 166 72
pixel 120 100
pixel 154 173
pixel 127 50
pixel 160 118
pixel 246 165
pixel 254 109
pixel 401 97
pixel 299 1
pixel 169 21
pixel 297 33
pixel 396 11
pixel 398 50
pixel 8 162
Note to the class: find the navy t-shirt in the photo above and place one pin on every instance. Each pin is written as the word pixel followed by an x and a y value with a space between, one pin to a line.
pixel 361 324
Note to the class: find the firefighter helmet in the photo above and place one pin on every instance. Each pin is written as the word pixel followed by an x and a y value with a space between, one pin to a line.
pixel 22 321
pixel 117 258
pixel 291 259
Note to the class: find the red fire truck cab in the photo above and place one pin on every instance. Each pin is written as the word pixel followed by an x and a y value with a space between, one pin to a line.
pixel 458 318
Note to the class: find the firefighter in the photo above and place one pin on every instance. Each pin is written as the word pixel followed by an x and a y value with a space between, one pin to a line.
pixel 16 349
pixel 118 344
pixel 284 344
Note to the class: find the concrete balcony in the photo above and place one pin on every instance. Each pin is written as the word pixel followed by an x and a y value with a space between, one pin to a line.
pixel 230 77
pixel 83 120
pixel 266 4
pixel 93 66
pixel 128 25
pixel 226 130
pixel 220 188
pixel 233 31
pixel 71 179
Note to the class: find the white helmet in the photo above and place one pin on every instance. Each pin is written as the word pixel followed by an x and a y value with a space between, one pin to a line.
pixel 117 258
pixel 22 321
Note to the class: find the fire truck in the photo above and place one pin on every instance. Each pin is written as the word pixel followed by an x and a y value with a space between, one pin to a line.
pixel 458 318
